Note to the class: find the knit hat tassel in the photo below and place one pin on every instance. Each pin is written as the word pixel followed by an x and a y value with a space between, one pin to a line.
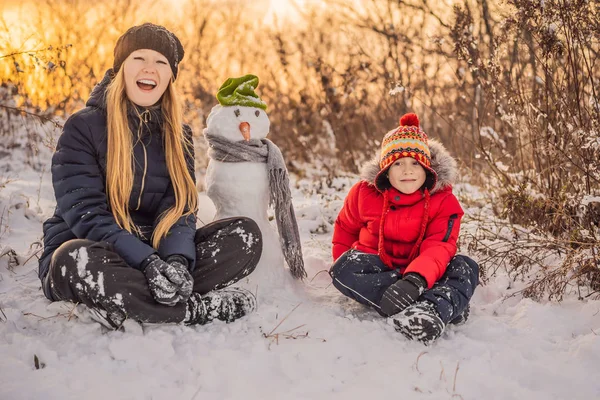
pixel 387 260
pixel 415 250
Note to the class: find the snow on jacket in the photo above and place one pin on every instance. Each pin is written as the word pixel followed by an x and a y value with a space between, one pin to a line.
pixel 358 223
pixel 79 178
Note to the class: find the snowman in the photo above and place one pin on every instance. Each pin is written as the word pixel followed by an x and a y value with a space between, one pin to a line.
pixel 246 174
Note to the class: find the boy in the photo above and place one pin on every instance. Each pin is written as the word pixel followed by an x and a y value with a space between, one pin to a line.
pixel 394 241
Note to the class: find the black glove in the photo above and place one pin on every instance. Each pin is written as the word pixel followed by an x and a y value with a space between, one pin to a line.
pixel 402 294
pixel 181 264
pixel 164 280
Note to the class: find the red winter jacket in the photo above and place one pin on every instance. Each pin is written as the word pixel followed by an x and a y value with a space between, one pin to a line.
pixel 358 223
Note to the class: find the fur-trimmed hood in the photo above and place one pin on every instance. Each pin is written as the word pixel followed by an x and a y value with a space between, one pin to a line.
pixel 441 162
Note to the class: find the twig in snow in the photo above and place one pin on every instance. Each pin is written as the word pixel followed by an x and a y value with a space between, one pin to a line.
pixel 274 336
pixel 2 311
pixel 281 322
pixel 3 220
pixel 442 373
pixel 455 374
pixel 197 391
pixel 286 335
pixel 37 363
pixel 417 361
pixel 34 254
pixel 594 292
pixel 39 316
pixel 72 311
pixel 323 270
pixel 45 318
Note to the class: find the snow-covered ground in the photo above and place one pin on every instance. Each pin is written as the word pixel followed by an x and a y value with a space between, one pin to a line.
pixel 307 342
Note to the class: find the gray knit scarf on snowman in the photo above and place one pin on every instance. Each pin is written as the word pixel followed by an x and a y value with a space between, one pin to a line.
pixel 265 151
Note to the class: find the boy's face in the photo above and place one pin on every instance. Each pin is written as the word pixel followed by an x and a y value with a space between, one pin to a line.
pixel 407 175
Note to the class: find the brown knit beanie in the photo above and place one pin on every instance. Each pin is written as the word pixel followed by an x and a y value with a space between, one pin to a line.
pixel 149 36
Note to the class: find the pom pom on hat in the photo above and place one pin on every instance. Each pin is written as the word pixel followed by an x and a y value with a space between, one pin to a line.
pixel 240 92
pixel 409 119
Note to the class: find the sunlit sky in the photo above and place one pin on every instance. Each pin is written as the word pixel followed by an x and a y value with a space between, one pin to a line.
pixel 10 8
pixel 287 8
pixel 268 10
pixel 263 8
pixel 15 13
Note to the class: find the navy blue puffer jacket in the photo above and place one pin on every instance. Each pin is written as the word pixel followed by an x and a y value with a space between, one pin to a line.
pixel 79 178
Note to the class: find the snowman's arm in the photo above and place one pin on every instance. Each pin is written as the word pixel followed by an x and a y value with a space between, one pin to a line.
pixel 348 224
pixel 180 238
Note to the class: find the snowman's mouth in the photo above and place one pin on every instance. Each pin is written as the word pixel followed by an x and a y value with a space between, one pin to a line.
pixel 146 84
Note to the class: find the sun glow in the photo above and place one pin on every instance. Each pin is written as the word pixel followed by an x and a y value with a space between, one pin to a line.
pixel 285 8
pixel 16 24
pixel 288 10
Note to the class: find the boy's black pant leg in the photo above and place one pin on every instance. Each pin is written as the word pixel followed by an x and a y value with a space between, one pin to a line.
pixel 362 277
pixel 88 272
pixel 451 294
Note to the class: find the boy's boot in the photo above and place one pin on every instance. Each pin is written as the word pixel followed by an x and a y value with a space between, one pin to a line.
pixel 226 305
pixel 420 321
pixel 462 317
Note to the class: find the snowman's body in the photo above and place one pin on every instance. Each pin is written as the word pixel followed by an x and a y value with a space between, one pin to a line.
pixel 227 186
pixel 242 189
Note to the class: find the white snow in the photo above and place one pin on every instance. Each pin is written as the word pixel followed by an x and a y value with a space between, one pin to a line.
pixel 590 199
pixel 490 133
pixel 81 257
pixel 309 343
pixel 396 90
pixel 248 238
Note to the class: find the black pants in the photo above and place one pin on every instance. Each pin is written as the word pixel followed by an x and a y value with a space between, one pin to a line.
pixel 88 272
pixel 363 277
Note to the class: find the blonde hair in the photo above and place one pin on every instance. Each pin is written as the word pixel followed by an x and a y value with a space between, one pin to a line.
pixel 119 159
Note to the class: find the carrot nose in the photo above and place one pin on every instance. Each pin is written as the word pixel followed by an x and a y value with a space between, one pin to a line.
pixel 245 129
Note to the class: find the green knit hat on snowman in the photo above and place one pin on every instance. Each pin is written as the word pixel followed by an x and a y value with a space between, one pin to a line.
pixel 240 92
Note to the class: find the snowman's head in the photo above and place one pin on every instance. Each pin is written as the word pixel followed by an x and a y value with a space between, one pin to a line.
pixel 237 123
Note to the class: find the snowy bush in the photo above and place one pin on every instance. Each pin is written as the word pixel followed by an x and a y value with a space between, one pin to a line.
pixel 538 91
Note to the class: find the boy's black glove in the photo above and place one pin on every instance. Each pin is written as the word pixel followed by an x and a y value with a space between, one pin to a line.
pixel 402 294
pixel 168 282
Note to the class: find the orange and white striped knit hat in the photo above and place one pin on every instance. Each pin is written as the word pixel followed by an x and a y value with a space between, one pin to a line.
pixel 408 140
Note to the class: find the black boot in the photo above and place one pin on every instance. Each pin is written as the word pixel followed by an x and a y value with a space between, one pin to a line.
pixel 462 317
pixel 421 322
pixel 225 304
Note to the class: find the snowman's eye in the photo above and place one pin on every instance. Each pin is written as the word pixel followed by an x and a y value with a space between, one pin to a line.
pixel 257 113
pixel 236 112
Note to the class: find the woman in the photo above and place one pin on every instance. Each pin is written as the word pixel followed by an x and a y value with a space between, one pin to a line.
pixel 123 238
